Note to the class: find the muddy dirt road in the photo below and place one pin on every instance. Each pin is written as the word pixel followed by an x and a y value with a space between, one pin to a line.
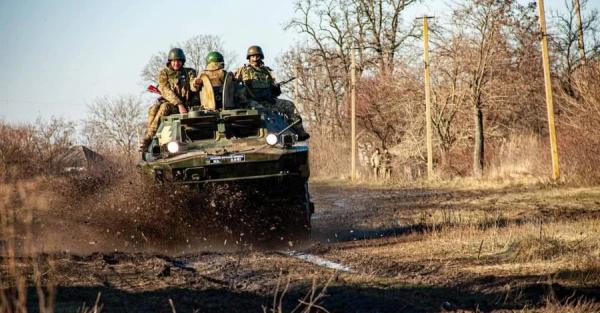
pixel 377 250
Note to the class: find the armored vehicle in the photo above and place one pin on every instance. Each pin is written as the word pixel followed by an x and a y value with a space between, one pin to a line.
pixel 227 143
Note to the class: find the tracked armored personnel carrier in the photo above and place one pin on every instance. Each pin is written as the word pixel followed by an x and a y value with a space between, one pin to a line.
pixel 226 143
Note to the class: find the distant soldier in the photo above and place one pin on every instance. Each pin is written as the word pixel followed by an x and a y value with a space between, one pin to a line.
pixel 175 85
pixel 386 164
pixel 261 87
pixel 376 162
pixel 215 71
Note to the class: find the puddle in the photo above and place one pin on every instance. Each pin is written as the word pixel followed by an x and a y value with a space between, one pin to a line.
pixel 317 260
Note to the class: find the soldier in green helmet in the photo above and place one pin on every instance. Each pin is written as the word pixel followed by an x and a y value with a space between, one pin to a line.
pixel 216 73
pixel 261 87
pixel 175 83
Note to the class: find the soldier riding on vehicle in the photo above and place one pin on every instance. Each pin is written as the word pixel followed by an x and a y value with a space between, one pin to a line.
pixel 175 83
pixel 215 75
pixel 231 140
pixel 261 87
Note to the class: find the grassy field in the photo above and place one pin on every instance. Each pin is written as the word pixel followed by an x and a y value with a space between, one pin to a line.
pixel 460 248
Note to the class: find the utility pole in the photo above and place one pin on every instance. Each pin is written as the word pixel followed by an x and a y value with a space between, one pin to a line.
pixel 428 121
pixel 580 43
pixel 548 84
pixel 353 108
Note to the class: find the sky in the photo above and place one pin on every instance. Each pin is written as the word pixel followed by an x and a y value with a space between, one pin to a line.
pixel 58 56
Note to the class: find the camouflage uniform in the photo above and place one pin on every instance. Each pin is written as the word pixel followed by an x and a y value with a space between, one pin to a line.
pixel 376 163
pixel 260 86
pixel 216 74
pixel 386 164
pixel 176 88
pixel 259 82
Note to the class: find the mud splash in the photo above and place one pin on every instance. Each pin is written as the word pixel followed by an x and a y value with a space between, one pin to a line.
pixel 126 212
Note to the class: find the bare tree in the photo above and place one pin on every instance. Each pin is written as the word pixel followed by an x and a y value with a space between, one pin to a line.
pixel 320 99
pixel 53 138
pixel 332 28
pixel 449 92
pixel 195 49
pixel 565 40
pixel 34 148
pixel 486 73
pixel 152 68
pixel 114 124
pixel 480 22
pixel 379 25
pixel 327 25
pixel 390 109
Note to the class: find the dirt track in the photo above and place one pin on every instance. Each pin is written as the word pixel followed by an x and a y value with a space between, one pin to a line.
pixel 380 234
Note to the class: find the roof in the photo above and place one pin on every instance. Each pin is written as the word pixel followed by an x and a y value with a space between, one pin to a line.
pixel 79 157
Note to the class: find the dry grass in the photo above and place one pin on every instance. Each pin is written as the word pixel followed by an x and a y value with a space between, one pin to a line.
pixel 553 305
pixel 522 156
pixel 28 150
pixel 20 264
pixel 514 244
pixel 461 246
pixel 329 158
pixel 95 308
pixel 311 302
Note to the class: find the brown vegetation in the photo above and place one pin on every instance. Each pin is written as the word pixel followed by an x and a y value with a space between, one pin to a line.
pixel 508 242
pixel 488 93
pixel 30 150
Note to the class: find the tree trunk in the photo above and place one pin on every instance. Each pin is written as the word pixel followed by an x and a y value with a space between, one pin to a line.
pixel 479 143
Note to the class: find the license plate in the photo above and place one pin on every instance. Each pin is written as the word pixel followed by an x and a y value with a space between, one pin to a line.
pixel 226 158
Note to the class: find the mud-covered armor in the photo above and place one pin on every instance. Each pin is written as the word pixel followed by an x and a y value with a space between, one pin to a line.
pixel 251 148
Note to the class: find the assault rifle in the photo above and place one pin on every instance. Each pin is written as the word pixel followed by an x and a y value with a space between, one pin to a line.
pixel 285 82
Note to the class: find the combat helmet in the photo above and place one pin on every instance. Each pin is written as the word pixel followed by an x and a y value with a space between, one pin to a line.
pixel 176 54
pixel 214 56
pixel 254 50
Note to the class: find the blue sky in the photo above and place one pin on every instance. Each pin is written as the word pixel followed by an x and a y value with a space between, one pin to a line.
pixel 57 56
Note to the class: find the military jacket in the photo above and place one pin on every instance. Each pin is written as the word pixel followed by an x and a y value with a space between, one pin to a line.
pixel 259 82
pixel 215 73
pixel 386 159
pixel 375 159
pixel 176 86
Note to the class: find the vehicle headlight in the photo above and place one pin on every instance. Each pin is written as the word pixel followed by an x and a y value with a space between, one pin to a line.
pixel 173 147
pixel 271 139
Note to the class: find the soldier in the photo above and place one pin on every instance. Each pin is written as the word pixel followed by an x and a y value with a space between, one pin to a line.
pixel 386 164
pixel 376 163
pixel 215 71
pixel 261 87
pixel 175 85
